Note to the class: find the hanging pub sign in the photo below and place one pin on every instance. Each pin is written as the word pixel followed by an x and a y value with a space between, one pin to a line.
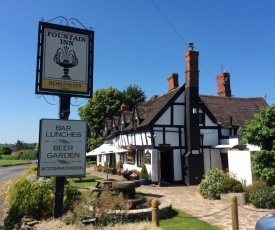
pixel 64 60
pixel 62 148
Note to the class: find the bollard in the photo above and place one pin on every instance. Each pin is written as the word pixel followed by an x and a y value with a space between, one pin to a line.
pixel 155 212
pixel 234 213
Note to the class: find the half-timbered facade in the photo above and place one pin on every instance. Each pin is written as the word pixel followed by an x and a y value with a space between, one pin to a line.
pixel 180 135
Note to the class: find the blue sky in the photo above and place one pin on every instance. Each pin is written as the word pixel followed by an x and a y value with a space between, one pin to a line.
pixel 137 42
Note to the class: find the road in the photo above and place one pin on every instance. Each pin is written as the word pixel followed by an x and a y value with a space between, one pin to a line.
pixel 6 174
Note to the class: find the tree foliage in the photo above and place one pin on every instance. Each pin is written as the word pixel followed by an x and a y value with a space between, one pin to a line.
pixel 260 130
pixel 105 104
pixel 133 96
pixel 263 165
pixel 5 150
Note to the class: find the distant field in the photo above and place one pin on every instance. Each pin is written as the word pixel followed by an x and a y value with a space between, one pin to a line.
pixel 4 163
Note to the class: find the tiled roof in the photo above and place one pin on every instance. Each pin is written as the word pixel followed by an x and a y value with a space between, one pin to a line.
pixel 238 109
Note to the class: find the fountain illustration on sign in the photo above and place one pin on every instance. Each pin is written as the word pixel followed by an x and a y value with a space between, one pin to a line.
pixel 66 59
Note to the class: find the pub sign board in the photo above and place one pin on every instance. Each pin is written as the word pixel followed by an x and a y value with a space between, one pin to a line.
pixel 62 148
pixel 64 60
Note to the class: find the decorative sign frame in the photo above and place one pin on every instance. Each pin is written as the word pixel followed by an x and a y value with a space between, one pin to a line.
pixel 64 60
pixel 62 148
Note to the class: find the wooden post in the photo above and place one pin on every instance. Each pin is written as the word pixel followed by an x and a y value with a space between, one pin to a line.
pixel 64 113
pixel 234 213
pixel 155 212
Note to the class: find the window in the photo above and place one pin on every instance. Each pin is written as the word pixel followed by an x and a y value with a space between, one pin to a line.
pixel 140 157
pixel 122 157
pixel 143 157
pixel 147 158
pixel 130 157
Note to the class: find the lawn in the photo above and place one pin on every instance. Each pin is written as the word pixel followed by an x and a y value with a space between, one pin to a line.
pixel 5 163
pixel 84 182
pixel 181 220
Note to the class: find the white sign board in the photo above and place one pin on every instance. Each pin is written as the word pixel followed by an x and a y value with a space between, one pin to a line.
pixel 64 60
pixel 62 148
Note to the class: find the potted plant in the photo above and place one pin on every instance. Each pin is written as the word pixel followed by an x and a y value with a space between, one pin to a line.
pixel 144 176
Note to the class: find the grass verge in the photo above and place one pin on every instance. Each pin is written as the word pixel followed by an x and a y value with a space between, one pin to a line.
pixel 5 163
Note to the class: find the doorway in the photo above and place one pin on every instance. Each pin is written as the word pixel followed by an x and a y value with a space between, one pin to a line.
pixel 166 166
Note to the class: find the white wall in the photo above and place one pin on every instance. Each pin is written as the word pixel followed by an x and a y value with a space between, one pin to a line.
pixel 239 163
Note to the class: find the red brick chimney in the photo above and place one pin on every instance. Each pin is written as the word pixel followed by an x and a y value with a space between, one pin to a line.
pixel 124 107
pixel 173 82
pixel 192 69
pixel 223 83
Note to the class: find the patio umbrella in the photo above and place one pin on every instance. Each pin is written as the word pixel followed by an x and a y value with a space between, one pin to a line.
pixel 106 149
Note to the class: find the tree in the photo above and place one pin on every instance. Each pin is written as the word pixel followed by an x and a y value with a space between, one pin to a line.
pixel 261 132
pixel 5 150
pixel 105 104
pixel 133 95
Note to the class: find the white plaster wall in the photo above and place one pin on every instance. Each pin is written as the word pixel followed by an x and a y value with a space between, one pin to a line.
pixel 181 98
pixel 165 118
pixel 138 139
pixel 208 121
pixel 233 141
pixel 172 138
pixel 177 165
pixel 210 136
pixel 144 136
pixel 179 113
pixel 225 132
pixel 159 137
pixel 239 163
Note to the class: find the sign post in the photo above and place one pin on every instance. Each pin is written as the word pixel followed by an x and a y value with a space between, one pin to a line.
pixel 64 113
pixel 64 68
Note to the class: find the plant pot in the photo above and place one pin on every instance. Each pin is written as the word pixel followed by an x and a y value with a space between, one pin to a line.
pixel 145 181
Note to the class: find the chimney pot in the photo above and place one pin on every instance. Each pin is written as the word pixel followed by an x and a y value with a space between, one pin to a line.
pixel 191 46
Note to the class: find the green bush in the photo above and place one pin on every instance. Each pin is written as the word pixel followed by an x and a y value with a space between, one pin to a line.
pixel 28 155
pixel 263 198
pixel 144 173
pixel 210 186
pixel 230 184
pixel 255 186
pixel 33 198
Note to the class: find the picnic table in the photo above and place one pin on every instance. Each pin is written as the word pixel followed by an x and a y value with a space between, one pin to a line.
pixel 100 185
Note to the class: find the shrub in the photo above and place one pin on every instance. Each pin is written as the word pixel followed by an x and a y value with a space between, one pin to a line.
pixel 28 155
pixel 263 198
pixel 210 186
pixel 144 173
pixel 230 184
pixel 255 186
pixel 109 209
pixel 33 198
